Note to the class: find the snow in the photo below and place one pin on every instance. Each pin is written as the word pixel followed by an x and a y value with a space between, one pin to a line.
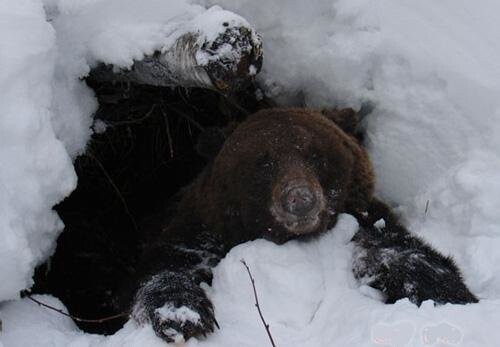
pixel 379 224
pixel 46 48
pixel 430 72
pixel 35 169
pixel 182 314
pixel 120 31
pixel 308 296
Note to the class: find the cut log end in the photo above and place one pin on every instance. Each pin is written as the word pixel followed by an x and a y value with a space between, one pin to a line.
pixel 225 64
pixel 236 57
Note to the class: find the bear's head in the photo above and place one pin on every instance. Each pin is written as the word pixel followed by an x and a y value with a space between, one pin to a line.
pixel 283 174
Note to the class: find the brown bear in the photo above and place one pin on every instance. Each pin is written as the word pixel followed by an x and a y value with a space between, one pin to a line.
pixel 282 174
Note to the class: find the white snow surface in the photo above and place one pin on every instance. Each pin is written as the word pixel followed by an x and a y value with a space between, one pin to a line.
pixel 46 110
pixel 308 296
pixel 35 169
pixel 430 69
pixel 180 314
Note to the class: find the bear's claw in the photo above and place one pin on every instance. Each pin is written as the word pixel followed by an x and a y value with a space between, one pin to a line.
pixel 178 330
pixel 175 306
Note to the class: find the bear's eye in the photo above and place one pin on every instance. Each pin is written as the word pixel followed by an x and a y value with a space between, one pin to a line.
pixel 265 162
pixel 264 159
pixel 319 161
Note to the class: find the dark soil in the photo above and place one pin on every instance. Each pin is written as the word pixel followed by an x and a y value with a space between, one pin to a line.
pixel 128 173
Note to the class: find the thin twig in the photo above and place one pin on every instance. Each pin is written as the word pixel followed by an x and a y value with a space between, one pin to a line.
pixel 169 135
pixel 186 116
pixel 134 121
pixel 426 207
pixel 234 103
pixel 78 319
pixel 112 183
pixel 257 304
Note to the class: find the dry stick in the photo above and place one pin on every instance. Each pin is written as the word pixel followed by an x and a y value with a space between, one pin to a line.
pixel 169 136
pixel 120 196
pixel 134 121
pixel 186 116
pixel 257 304
pixel 78 319
pixel 426 207
pixel 234 103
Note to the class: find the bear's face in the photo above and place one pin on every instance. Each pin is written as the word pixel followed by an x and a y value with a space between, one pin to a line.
pixel 283 174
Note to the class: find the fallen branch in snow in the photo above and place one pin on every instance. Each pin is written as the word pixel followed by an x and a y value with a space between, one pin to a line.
pixel 116 189
pixel 78 319
pixel 257 304
pixel 224 64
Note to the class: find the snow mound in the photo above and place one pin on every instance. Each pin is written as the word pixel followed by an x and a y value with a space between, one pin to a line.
pixel 120 31
pixel 47 110
pixel 308 296
pixel 429 72
pixel 35 169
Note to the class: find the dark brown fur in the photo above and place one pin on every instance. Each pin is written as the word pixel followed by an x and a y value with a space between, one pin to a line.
pixel 233 194
pixel 271 163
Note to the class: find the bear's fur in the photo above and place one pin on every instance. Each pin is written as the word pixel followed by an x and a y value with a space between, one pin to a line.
pixel 270 145
pixel 283 174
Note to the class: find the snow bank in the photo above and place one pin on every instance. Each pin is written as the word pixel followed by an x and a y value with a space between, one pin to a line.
pixel 120 31
pixel 46 110
pixel 35 169
pixel 430 71
pixel 308 295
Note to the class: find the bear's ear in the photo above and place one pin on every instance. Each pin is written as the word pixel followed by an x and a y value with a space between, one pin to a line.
pixel 210 142
pixel 211 139
pixel 346 119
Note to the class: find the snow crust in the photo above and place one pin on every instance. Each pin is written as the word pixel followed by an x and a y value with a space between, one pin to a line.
pixel 180 314
pixel 429 70
pixel 35 169
pixel 46 110
pixel 379 224
pixel 120 31
pixel 308 296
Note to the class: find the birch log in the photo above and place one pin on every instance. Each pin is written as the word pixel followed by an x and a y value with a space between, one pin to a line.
pixel 223 60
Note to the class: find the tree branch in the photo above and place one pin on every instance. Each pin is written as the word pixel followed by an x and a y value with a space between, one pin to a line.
pixel 75 318
pixel 268 330
pixel 224 64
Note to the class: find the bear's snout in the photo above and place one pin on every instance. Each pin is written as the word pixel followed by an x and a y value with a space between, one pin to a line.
pixel 298 199
pixel 298 204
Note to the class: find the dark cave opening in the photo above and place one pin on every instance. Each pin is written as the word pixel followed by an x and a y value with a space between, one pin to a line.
pixel 128 173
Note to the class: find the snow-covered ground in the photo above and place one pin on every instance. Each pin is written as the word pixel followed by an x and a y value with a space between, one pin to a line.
pixel 430 69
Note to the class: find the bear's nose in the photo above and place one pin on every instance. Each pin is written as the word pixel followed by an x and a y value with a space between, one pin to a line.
pixel 298 204
pixel 298 200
